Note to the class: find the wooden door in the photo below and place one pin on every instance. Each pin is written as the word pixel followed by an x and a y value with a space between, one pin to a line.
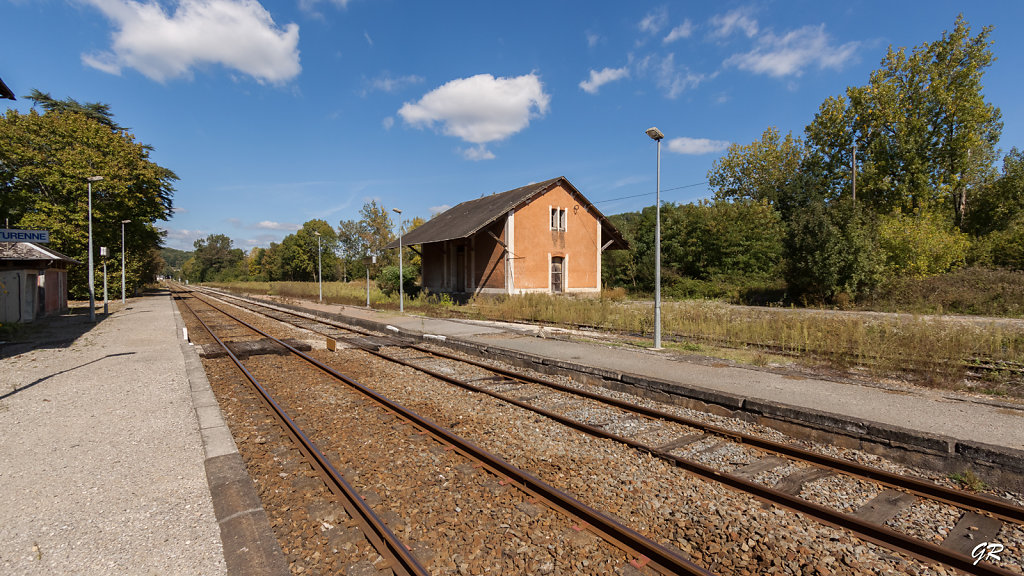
pixel 557 277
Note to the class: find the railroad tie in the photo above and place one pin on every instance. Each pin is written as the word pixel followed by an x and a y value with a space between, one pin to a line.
pixel 793 483
pixel 883 507
pixel 972 529
pixel 247 348
pixel 678 443
pixel 758 466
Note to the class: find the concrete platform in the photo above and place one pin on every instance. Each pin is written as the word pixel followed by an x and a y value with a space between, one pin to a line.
pixel 939 429
pixel 115 457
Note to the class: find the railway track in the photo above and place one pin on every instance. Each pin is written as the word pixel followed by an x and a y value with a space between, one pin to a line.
pixel 487 487
pixel 771 471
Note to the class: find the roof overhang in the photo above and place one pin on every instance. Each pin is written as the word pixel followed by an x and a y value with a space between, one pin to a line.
pixel 470 217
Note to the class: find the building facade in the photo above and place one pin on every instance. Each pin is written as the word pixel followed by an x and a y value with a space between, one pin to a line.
pixel 543 237
pixel 33 281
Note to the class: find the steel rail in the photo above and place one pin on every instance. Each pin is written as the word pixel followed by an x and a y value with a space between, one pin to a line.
pixel 997 508
pixel 653 554
pixel 399 557
pixel 870 531
pixel 876 533
pixel 1000 509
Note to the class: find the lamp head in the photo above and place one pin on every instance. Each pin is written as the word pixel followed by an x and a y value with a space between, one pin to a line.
pixel 654 133
pixel 94 178
pixel 396 210
pixel 316 233
pixel 125 221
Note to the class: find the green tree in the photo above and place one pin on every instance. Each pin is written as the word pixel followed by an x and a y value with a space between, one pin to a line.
pixel 366 237
pixel 44 162
pixel 303 251
pixel 925 135
pixel 96 111
pixel 215 259
pixel 378 230
pixel 272 265
pixel 999 203
pixel 831 253
pixel 619 267
pixel 761 170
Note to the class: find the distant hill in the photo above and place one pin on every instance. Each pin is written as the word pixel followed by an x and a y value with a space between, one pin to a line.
pixel 174 259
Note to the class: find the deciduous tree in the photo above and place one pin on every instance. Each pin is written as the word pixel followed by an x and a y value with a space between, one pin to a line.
pixel 44 162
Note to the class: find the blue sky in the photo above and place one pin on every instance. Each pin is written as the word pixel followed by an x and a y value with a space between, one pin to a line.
pixel 273 113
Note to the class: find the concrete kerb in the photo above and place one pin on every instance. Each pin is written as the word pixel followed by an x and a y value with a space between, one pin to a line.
pixel 249 544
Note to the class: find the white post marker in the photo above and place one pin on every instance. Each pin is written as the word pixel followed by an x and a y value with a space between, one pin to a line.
pixel 103 254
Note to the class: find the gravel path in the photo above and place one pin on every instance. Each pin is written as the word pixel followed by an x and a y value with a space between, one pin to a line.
pixel 101 461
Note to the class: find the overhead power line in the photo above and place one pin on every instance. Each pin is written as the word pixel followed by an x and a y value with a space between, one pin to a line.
pixel 651 193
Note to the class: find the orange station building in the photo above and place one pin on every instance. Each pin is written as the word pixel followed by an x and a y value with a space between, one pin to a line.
pixel 543 237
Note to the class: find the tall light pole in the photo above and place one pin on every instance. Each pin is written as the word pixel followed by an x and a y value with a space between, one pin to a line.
pixel 123 222
pixel 92 289
pixel 656 135
pixel 319 268
pixel 401 275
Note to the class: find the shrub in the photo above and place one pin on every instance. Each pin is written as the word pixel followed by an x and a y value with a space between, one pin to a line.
pixel 921 244
pixel 965 291
pixel 387 280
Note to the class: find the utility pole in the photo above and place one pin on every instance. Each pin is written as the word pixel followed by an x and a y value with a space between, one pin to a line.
pixel 853 167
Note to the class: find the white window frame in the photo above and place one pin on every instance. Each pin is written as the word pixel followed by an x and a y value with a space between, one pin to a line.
pixel 558 218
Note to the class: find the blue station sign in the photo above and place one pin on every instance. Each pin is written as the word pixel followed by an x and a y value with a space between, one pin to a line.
pixel 37 236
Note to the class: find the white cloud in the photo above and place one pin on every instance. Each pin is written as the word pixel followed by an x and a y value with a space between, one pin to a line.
pixel 788 55
pixel 388 122
pixel 438 209
pixel 368 39
pixel 310 5
pixel 739 19
pixel 387 83
pixel 684 30
pixel 672 80
pixel 598 79
pixel 654 21
pixel 269 225
pixel 237 34
pixel 696 146
pixel 480 109
pixel 477 153
pixel 182 237
pixel 593 39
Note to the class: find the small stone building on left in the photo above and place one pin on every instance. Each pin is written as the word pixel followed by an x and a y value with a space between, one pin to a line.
pixel 33 281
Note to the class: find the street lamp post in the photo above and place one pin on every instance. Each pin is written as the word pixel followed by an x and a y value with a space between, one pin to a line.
pixel 401 275
pixel 123 222
pixel 319 268
pixel 92 288
pixel 656 135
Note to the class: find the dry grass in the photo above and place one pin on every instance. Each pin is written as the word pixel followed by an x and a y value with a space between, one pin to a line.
pixel 932 350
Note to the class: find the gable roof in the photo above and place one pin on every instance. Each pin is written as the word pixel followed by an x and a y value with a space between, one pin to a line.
pixel 468 218
pixel 29 251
